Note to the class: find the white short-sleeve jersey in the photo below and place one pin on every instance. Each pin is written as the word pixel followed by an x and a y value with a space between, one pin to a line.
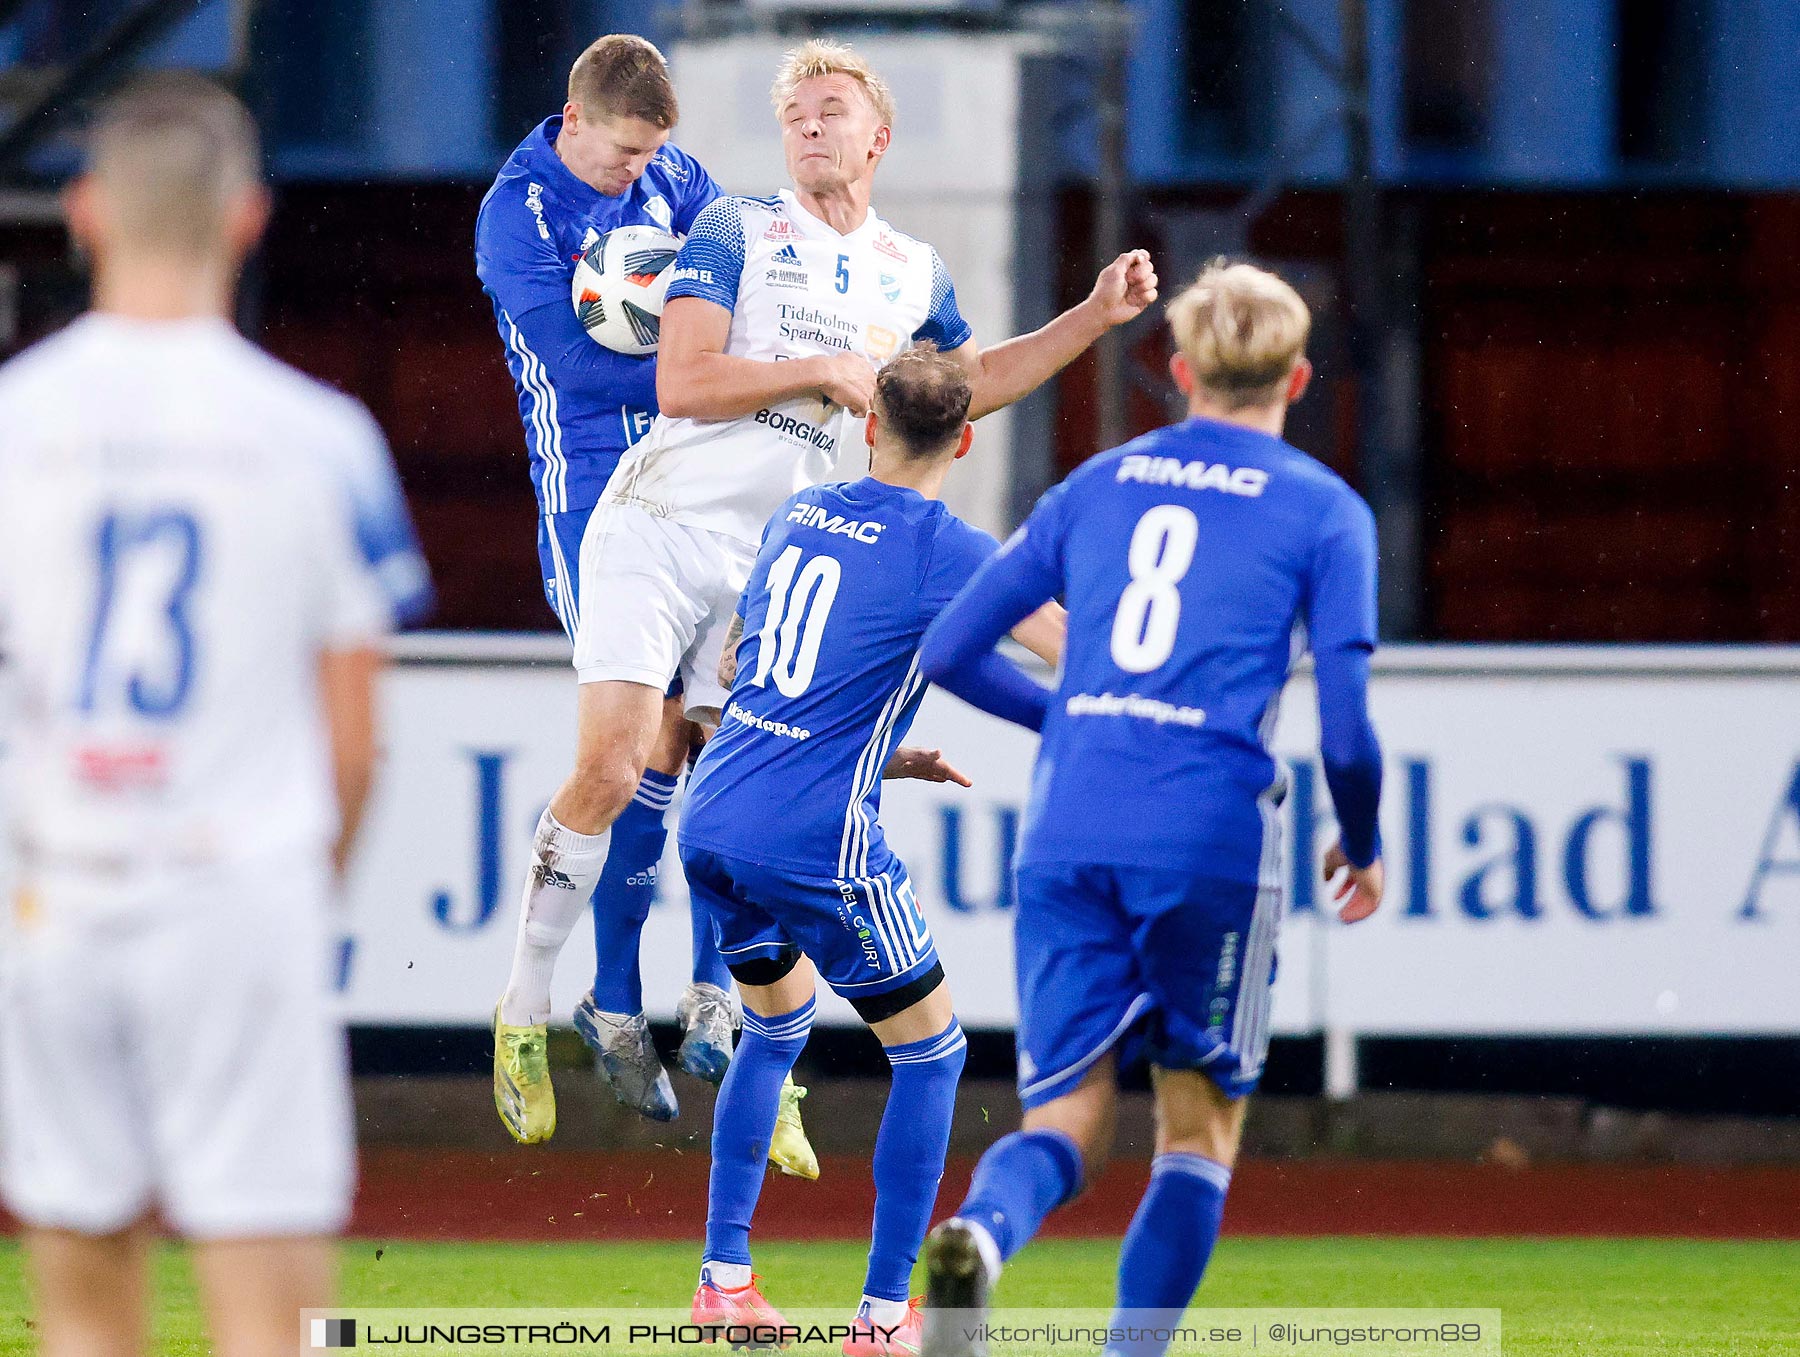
pixel 185 525
pixel 795 288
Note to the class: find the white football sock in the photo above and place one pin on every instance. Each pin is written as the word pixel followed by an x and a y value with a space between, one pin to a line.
pixel 725 1276
pixel 883 1312
pixel 565 866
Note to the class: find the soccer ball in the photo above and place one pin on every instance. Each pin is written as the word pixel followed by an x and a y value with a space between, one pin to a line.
pixel 619 286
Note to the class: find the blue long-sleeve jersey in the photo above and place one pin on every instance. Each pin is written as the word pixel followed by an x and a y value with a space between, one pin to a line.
pixel 1196 563
pixel 827 676
pixel 582 404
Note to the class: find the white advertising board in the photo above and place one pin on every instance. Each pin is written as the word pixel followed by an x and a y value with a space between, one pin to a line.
pixel 1578 841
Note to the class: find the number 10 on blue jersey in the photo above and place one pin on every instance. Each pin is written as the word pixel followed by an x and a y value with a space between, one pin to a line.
pixel 787 647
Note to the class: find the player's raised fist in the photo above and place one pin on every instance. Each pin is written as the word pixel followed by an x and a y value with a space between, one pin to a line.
pixel 1125 287
pixel 1358 890
pixel 847 380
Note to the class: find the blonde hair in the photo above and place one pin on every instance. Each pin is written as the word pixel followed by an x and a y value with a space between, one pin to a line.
pixel 821 56
pixel 171 150
pixel 1242 329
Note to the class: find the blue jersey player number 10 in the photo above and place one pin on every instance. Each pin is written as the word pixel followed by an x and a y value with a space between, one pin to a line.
pixel 800 599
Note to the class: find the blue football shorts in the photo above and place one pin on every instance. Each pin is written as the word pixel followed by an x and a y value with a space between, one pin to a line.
pixel 865 934
pixel 559 555
pixel 1163 966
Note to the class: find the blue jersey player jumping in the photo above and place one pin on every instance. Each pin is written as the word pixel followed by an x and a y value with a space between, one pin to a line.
pixel 604 162
pixel 780 836
pixel 1190 560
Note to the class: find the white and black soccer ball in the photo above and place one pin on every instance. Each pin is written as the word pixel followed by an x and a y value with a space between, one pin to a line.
pixel 619 286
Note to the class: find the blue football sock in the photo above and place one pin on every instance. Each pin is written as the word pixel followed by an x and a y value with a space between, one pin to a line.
pixel 626 891
pixel 909 1154
pixel 743 1122
pixel 1171 1237
pixel 1021 1179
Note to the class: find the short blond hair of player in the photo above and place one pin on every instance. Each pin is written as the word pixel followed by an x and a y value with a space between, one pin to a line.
pixel 167 1039
pixel 1240 339
pixel 821 56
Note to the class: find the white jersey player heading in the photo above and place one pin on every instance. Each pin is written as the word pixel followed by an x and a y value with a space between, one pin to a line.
pixel 796 288
pixel 185 524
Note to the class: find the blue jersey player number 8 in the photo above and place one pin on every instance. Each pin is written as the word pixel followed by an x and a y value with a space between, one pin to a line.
pixel 1161 553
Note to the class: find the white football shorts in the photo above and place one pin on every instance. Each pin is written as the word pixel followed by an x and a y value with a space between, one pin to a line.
pixel 657 601
pixel 187 1059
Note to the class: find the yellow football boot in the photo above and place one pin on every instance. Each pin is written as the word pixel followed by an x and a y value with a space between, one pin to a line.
pixel 522 1093
pixel 789 1150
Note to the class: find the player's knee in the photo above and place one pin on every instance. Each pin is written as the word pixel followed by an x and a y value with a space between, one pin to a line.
pixel 1194 1116
pixel 1088 1117
pixel 1217 1144
pixel 676 739
pixel 603 784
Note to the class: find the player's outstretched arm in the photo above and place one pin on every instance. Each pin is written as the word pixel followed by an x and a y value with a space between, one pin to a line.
pixel 1340 620
pixel 697 379
pixel 1013 370
pixel 1045 632
pixel 530 281
pixel 923 765
pixel 1349 748
pixel 958 651
pixel 728 655
pixel 347 680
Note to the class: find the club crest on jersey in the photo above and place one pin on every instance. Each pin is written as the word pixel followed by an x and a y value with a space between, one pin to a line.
pixel 884 244
pixel 880 342
pixel 890 287
pixel 657 209
pixel 812 516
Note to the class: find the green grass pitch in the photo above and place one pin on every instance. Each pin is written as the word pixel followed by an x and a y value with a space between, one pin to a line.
pixel 1624 1298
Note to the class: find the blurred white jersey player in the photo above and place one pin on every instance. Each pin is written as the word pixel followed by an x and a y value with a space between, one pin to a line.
pixel 200 550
